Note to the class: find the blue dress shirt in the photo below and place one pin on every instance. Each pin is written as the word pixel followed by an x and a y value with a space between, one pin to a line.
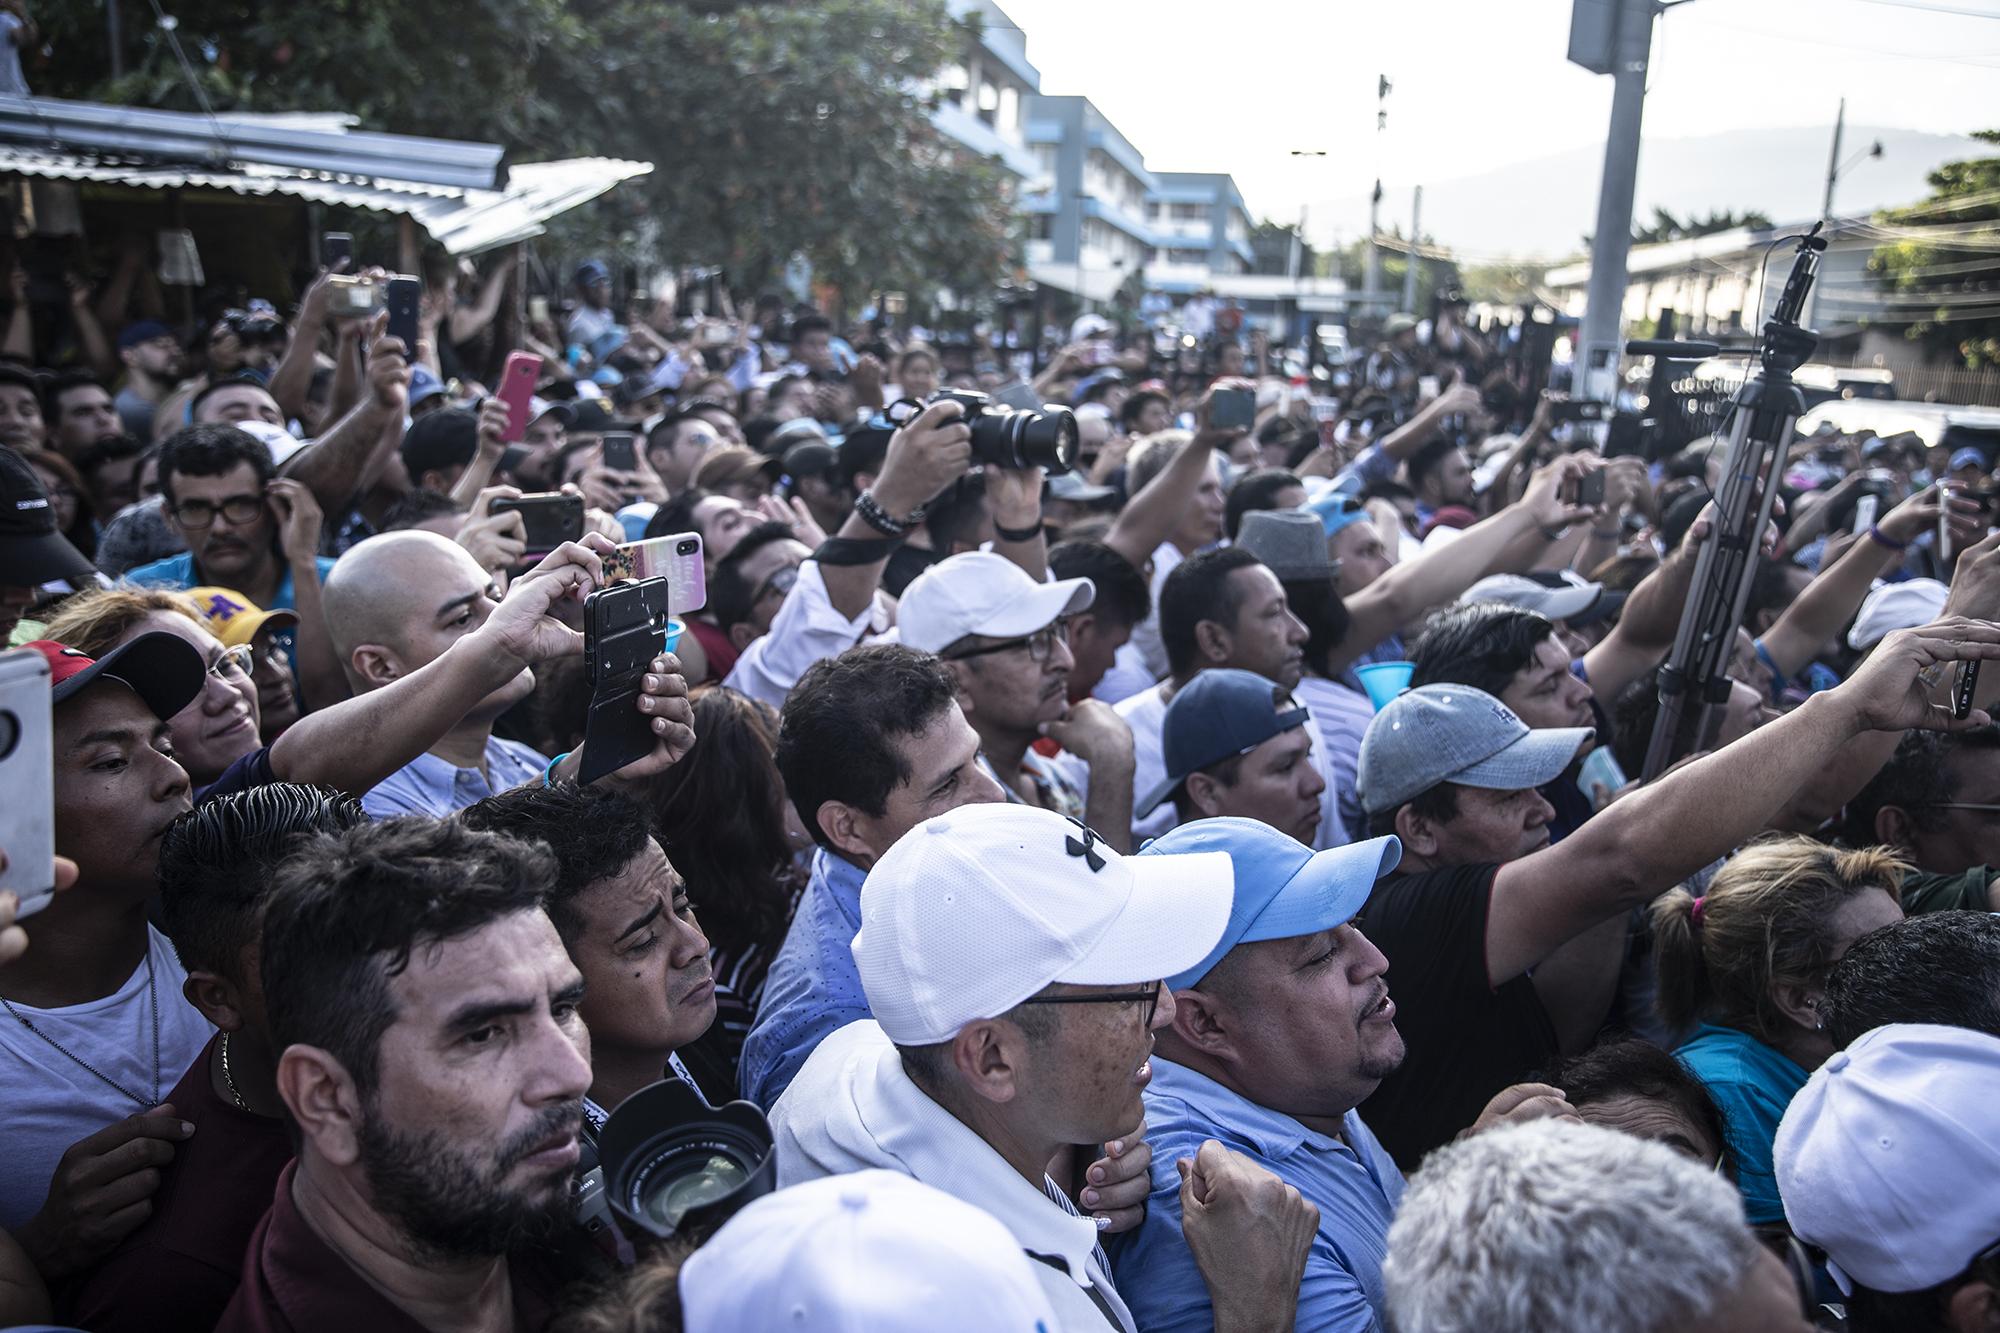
pixel 428 785
pixel 1355 1185
pixel 813 988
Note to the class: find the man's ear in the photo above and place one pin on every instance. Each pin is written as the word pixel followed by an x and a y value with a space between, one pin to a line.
pixel 1973 1308
pixel 1893 826
pixel 742 634
pixel 1798 1002
pixel 322 1098
pixel 1204 793
pixel 841 823
pixel 959 672
pixel 375 664
pixel 1418 834
pixel 1212 641
pixel 1199 1022
pixel 216 998
pixel 988 1058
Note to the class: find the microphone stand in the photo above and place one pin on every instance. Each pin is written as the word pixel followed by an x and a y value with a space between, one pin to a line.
pixel 1694 682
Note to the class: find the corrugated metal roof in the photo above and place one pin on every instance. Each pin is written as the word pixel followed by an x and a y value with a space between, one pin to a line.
pixel 463 221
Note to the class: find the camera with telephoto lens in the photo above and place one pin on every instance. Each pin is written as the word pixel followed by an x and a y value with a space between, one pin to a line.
pixel 675 1166
pixel 1004 436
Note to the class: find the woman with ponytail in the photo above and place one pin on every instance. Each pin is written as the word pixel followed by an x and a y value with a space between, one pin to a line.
pixel 1744 966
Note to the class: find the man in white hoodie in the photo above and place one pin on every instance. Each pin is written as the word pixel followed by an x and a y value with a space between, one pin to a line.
pixel 1013 964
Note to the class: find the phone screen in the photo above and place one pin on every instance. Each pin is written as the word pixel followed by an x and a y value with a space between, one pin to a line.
pixel 618 451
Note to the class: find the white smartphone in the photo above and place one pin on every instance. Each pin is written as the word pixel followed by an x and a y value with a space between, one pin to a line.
pixel 27 780
pixel 1865 510
pixel 677 559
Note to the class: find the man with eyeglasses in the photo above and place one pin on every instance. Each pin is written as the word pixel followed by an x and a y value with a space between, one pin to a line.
pixel 215 482
pixel 1005 639
pixel 1276 1035
pixel 1012 961
pixel 1937 802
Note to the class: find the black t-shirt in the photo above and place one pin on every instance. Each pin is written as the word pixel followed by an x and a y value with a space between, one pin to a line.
pixel 252 770
pixel 1465 1039
pixel 905 563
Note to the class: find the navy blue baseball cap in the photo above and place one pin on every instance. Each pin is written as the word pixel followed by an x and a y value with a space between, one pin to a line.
pixel 1221 712
pixel 1284 889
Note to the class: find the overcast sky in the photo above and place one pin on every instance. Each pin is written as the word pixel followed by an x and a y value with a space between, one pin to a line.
pixel 1233 85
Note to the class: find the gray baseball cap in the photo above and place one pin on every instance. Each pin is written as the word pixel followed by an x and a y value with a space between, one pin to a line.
pixel 1454 733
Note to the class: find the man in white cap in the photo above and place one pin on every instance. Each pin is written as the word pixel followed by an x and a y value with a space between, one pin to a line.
pixel 1578 608
pixel 1013 963
pixel 1508 948
pixel 1005 639
pixel 1277 1034
pixel 1887 1160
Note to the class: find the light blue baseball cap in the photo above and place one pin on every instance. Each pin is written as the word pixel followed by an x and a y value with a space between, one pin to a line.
pixel 1454 733
pixel 1284 889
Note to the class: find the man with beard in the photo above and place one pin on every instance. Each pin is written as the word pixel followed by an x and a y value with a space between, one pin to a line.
pixel 434 1063
pixel 624 915
pixel 152 358
pixel 1276 1036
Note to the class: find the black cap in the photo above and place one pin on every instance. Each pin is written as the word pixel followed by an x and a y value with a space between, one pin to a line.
pixel 593 416
pixel 811 458
pixel 442 439
pixel 164 670
pixel 32 552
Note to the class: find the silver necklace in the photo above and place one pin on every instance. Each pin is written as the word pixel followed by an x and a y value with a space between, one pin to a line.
pixel 153 992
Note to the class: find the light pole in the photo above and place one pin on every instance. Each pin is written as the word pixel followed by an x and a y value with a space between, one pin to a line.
pixel 1834 166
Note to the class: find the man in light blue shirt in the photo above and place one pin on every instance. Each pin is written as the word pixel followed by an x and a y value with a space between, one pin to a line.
pixel 871 744
pixel 1277 1035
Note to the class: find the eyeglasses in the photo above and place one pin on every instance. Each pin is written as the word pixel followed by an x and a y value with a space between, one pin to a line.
pixel 1041 645
pixel 1959 805
pixel 781 582
pixel 235 661
pixel 1150 997
pixel 239 510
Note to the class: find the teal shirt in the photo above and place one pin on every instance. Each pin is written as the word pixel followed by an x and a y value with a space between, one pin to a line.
pixel 178 571
pixel 1753 1084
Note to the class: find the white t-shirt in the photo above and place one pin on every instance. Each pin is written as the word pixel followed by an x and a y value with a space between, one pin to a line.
pixel 52 1102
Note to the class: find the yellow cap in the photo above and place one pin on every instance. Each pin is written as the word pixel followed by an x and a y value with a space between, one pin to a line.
pixel 234 618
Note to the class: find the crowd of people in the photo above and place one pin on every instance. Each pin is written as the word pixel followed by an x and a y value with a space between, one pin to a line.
pixel 1210 887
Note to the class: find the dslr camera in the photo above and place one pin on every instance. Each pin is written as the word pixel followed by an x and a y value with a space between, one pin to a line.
pixel 1004 436
pixel 669 1164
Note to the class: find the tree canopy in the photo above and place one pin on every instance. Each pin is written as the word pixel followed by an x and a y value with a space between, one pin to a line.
pixel 775 129
pixel 1941 271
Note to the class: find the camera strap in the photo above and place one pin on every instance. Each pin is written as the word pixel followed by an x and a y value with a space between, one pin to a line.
pixel 856 550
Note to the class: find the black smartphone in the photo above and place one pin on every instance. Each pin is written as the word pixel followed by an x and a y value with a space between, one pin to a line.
pixel 336 252
pixel 1963 688
pixel 550 519
pixel 624 629
pixel 405 294
pixel 1590 489
pixel 1579 409
pixel 619 452
pixel 1232 409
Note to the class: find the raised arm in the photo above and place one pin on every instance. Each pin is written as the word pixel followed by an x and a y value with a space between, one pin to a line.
pixel 1652 616
pixel 321 681
pixel 1640 846
pixel 924 457
pixel 493 419
pixel 1831 600
pixel 335 464
pixel 291 381
pixel 1151 514
pixel 467 321
pixel 1439 575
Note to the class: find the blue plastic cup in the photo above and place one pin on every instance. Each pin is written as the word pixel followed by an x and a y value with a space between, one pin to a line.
pixel 1385 680
pixel 674 628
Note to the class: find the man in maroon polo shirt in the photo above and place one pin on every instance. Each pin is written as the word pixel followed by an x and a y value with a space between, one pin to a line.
pixel 177 1272
pixel 434 1064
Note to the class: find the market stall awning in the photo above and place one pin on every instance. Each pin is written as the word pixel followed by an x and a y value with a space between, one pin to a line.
pixel 325 162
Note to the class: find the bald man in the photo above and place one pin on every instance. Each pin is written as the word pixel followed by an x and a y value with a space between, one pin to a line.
pixel 395 604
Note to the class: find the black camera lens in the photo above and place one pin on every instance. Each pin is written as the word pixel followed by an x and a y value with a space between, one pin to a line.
pixel 1019 438
pixel 673 1164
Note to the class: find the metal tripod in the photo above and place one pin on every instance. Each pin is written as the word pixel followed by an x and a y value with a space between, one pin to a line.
pixel 1694 682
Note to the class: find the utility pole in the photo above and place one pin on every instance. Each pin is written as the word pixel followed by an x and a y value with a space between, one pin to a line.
pixel 112 35
pixel 1833 161
pixel 1371 279
pixel 1410 258
pixel 1619 34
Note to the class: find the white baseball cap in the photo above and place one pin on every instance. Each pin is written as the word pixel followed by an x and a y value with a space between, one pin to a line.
pixel 983 593
pixel 281 442
pixel 1893 606
pixel 870 1252
pixel 1887 1159
pixel 974 911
